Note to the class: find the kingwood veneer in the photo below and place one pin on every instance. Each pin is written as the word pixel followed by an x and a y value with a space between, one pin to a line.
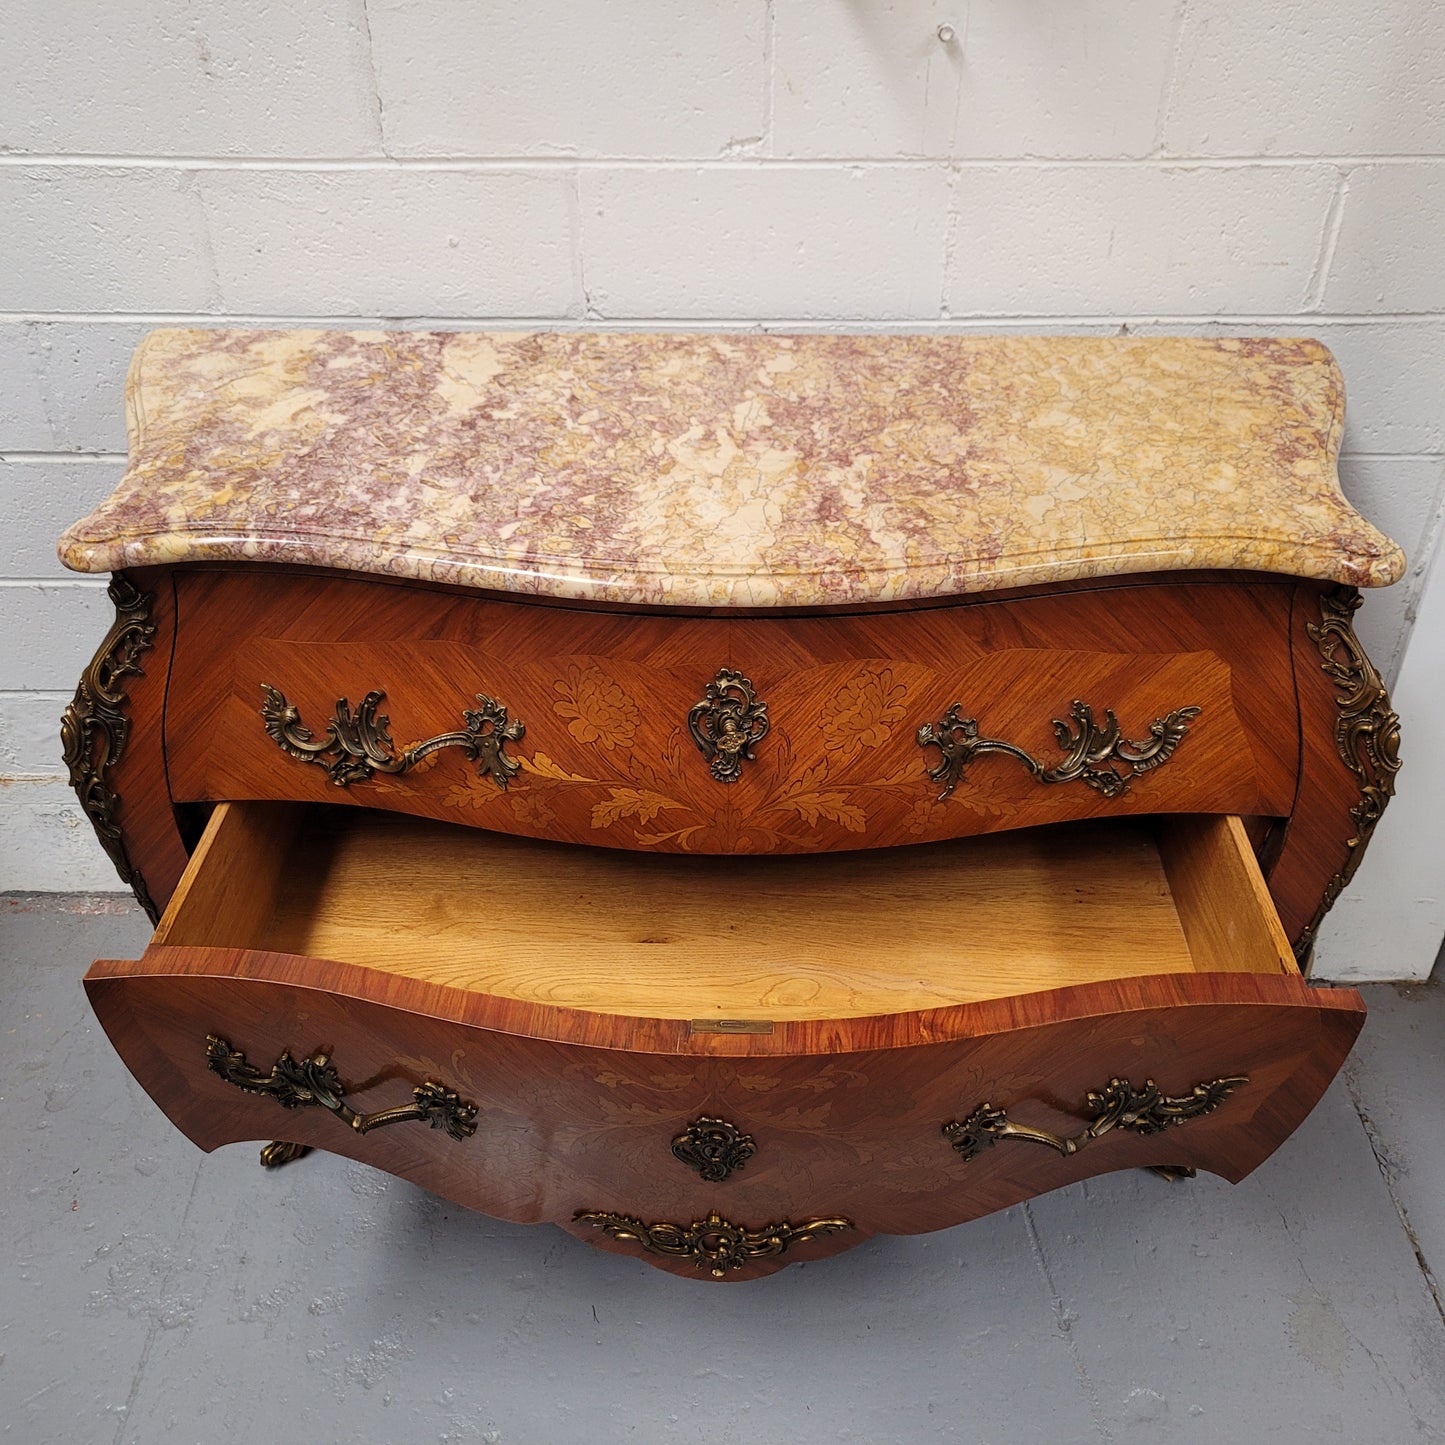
pixel 744 857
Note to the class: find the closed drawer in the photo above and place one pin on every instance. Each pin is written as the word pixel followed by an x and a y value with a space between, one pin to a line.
pixel 863 731
pixel 726 1064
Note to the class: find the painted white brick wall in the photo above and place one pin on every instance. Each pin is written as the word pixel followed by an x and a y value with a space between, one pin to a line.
pixel 1403 206
pixel 1032 78
pixel 709 243
pixel 409 242
pixel 1296 77
pixel 1121 240
pixel 127 238
pixel 667 78
pixel 964 165
pixel 168 77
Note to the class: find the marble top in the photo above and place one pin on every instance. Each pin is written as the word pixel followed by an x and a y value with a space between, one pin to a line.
pixel 733 470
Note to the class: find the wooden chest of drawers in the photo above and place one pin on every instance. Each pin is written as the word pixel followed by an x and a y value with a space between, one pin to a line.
pixel 733 925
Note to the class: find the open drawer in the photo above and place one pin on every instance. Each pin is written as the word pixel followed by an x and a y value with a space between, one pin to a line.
pixel 723 1064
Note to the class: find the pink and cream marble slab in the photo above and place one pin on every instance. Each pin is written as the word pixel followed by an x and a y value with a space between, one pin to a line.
pixel 733 470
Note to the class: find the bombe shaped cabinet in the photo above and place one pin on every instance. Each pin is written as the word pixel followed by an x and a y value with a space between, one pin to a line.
pixel 732 796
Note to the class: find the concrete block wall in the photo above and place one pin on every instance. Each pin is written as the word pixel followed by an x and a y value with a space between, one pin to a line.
pixel 977 165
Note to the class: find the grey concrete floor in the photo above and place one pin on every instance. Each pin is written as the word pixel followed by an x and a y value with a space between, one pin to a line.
pixel 152 1293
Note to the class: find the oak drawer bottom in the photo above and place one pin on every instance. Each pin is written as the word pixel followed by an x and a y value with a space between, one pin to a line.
pixel 786 939
pixel 727 1064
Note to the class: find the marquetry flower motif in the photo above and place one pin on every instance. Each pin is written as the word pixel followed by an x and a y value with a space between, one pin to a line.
pixel 925 816
pixel 862 713
pixel 470 791
pixel 640 803
pixel 597 709
pixel 531 810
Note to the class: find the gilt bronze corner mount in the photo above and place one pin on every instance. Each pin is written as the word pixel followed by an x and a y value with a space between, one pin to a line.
pixel 95 727
pixel 1367 736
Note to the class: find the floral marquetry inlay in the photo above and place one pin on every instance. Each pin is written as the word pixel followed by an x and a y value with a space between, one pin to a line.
pixel 862 713
pixel 661 798
pixel 596 708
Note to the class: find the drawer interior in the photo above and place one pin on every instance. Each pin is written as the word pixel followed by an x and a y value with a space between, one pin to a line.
pixel 667 936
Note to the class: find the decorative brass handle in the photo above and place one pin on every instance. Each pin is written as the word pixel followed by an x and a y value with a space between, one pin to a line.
pixel 1088 748
pixel 714 1244
pixel 726 724
pixel 358 745
pixel 1117 1106
pixel 314 1080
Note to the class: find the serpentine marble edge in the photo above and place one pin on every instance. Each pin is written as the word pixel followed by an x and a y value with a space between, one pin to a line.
pixel 733 470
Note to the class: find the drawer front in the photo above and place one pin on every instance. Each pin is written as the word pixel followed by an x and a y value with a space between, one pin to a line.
pixel 720 1155
pixel 1019 699
pixel 735 735
pixel 595 707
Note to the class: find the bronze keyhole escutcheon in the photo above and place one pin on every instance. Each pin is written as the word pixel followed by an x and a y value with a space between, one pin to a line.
pixel 727 723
